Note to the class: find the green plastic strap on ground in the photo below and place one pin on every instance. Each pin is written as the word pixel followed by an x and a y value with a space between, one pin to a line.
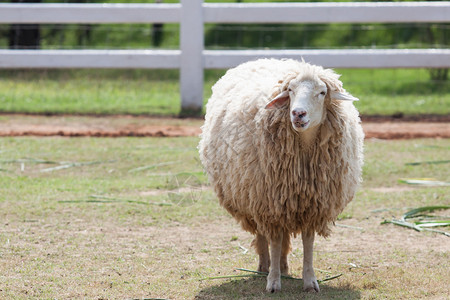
pixel 426 221
pixel 424 181
pixel 264 274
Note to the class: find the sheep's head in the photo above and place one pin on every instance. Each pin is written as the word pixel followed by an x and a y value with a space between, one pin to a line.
pixel 307 94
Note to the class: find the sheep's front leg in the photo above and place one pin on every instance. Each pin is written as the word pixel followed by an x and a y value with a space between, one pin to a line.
pixel 274 277
pixel 262 248
pixel 309 278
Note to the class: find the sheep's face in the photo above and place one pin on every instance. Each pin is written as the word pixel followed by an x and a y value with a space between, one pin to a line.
pixel 306 96
pixel 306 108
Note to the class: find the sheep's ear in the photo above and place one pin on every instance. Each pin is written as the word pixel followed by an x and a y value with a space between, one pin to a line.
pixel 342 96
pixel 334 86
pixel 280 100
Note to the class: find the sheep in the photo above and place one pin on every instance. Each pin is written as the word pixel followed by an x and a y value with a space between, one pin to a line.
pixel 282 145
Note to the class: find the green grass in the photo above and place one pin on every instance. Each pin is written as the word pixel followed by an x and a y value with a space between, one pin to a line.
pixel 90 92
pixel 387 92
pixel 156 92
pixel 97 231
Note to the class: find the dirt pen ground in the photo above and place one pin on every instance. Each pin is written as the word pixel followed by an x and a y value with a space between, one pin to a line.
pixel 116 126
pixel 157 238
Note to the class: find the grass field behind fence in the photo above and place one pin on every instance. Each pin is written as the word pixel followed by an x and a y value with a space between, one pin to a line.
pixel 127 218
pixel 156 92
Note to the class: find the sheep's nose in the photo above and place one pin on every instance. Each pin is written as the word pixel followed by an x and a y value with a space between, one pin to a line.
pixel 298 113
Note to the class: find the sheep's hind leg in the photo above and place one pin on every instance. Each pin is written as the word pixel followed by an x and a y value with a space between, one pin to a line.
pixel 286 248
pixel 274 277
pixel 309 278
pixel 262 249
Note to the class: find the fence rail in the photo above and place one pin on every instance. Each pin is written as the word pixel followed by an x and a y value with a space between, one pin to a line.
pixel 89 13
pixel 222 59
pixel 317 13
pixel 341 12
pixel 352 58
pixel 192 58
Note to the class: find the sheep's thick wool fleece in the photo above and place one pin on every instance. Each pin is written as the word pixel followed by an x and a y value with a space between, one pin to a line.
pixel 261 171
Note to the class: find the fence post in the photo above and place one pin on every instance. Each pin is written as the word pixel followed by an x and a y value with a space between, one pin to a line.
pixel 191 45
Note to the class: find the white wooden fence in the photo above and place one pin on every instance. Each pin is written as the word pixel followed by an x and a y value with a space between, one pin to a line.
pixel 192 58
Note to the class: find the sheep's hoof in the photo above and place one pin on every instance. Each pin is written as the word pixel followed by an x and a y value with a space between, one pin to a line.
pixel 310 285
pixel 273 285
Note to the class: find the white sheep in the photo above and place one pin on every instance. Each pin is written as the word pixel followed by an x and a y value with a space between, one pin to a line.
pixel 284 155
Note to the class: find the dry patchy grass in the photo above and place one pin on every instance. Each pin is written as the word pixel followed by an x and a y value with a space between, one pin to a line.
pixel 55 242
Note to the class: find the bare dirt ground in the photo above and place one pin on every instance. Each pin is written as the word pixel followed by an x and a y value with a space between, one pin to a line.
pixel 380 127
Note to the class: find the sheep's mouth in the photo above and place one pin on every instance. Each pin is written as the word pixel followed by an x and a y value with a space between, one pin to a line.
pixel 300 124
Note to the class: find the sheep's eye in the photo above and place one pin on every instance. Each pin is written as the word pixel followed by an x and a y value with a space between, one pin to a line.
pixel 323 93
pixel 289 90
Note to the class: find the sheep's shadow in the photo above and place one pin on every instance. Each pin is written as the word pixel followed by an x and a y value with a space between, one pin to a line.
pixel 253 288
